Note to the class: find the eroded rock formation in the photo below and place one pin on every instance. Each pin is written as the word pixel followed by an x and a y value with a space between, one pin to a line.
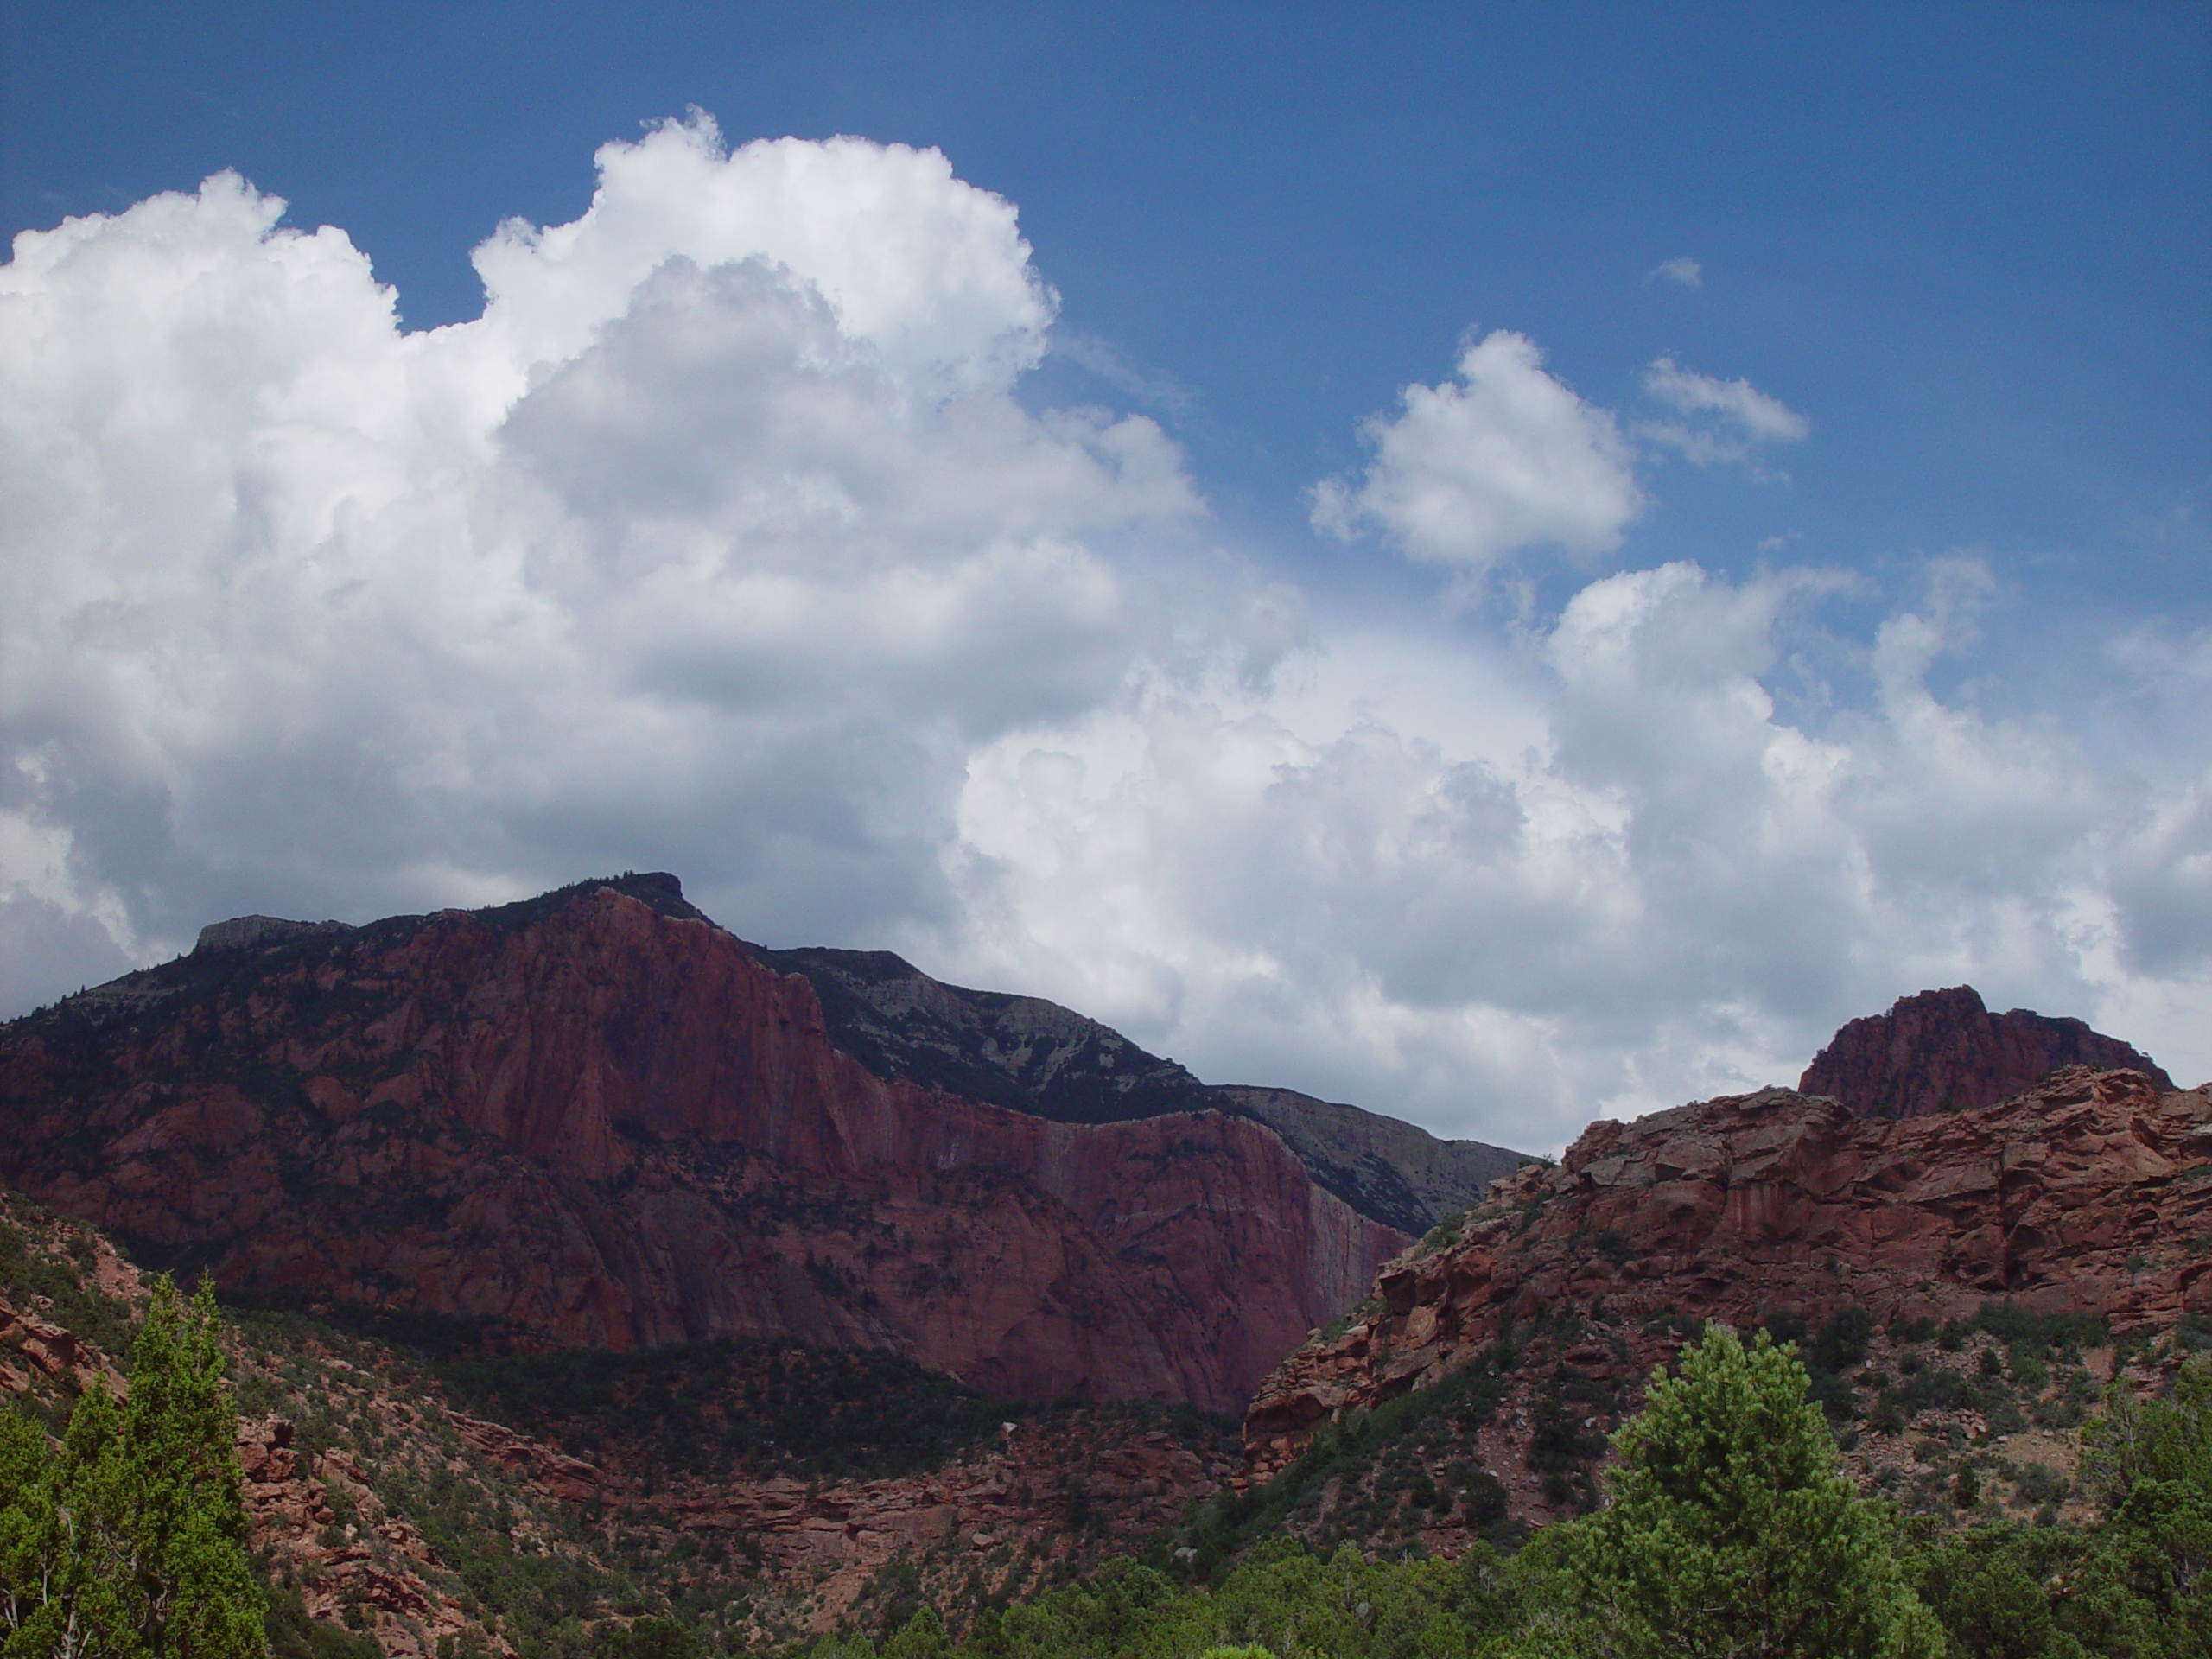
pixel 2090 1194
pixel 365 1560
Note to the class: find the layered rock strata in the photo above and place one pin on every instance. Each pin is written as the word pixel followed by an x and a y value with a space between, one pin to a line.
pixel 2091 1193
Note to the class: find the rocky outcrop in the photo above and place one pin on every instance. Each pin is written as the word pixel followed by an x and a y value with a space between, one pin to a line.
pixel 1040 1496
pixel 569 1479
pixel 1944 1050
pixel 41 1359
pixel 257 932
pixel 601 1120
pixel 316 1519
pixel 1381 1168
pixel 2090 1194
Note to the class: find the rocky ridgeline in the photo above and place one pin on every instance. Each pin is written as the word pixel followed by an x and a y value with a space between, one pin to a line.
pixel 2089 1194
pixel 259 933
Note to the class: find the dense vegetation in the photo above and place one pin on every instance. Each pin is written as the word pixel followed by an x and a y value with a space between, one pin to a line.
pixel 709 1408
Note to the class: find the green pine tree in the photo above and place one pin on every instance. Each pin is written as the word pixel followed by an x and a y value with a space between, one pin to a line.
pixel 2148 1587
pixel 1731 1531
pixel 131 1543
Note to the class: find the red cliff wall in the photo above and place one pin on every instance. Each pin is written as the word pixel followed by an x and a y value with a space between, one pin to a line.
pixel 616 1127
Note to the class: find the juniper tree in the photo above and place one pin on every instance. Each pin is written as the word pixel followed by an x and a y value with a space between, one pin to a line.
pixel 1731 1532
pixel 131 1543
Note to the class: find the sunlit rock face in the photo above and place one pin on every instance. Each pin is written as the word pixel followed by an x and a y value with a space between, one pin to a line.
pixel 604 1120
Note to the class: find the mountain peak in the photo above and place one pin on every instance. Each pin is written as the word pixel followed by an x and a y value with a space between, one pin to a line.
pixel 1944 1050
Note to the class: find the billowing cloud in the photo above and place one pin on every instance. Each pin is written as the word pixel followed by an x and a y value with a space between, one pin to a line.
pixel 1681 269
pixel 721 543
pixel 1504 458
pixel 1721 419
pixel 714 542
pixel 1606 872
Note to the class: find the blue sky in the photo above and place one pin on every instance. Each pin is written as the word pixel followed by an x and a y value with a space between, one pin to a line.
pixel 1886 324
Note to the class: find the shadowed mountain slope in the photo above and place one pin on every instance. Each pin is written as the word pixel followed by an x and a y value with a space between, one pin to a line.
pixel 1379 1166
pixel 1029 1055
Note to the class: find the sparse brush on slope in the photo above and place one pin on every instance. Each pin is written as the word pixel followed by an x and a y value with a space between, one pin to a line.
pixel 1730 1533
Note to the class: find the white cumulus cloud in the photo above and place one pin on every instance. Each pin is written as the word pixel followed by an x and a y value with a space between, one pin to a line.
pixel 1499 891
pixel 1506 457
pixel 713 542
pixel 721 543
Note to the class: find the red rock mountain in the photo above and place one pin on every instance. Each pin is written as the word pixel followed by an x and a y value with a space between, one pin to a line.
pixel 2090 1194
pixel 603 1119
pixel 1943 1049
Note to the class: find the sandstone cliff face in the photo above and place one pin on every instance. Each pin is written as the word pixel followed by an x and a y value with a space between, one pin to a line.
pixel 2090 1194
pixel 610 1124
pixel 1944 1049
